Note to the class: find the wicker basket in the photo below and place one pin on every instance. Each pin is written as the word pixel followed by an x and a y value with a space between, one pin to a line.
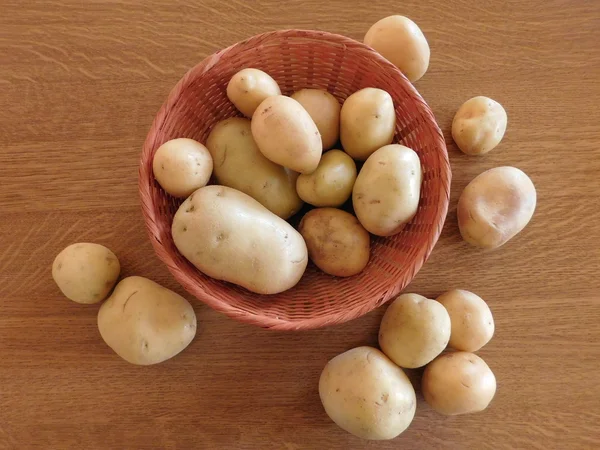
pixel 299 59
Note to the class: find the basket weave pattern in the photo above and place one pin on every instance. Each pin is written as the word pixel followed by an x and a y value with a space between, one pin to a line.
pixel 300 59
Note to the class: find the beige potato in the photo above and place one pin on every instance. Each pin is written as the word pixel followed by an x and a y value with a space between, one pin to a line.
pixel 331 183
pixel 230 236
pixel 367 122
pixel 401 41
pixel 414 330
pixel 479 125
pixel 495 206
pixel 324 109
pixel 471 318
pixel 367 395
pixel 238 163
pixel 145 323
pixel 458 383
pixel 86 272
pixel 387 190
pixel 337 243
pixel 249 87
pixel 181 166
pixel 286 134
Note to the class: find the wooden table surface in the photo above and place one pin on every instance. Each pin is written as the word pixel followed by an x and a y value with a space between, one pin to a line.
pixel 80 83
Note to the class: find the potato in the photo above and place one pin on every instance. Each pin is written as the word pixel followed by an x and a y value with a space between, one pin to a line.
pixel 86 273
pixel 414 330
pixel 401 41
pixel 479 125
pixel 367 122
pixel 471 318
pixel 181 166
pixel 495 207
pixel 387 190
pixel 229 236
pixel 248 88
pixel 337 243
pixel 331 183
pixel 367 395
pixel 145 323
pixel 324 109
pixel 458 383
pixel 238 163
pixel 286 134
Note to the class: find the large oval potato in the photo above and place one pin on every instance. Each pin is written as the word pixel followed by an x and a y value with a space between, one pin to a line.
pixel 145 323
pixel 367 122
pixel 479 125
pixel 286 134
pixel 324 110
pixel 238 163
pixel 495 206
pixel 230 236
pixel 249 87
pixel 414 330
pixel 336 241
pixel 86 272
pixel 367 395
pixel 387 190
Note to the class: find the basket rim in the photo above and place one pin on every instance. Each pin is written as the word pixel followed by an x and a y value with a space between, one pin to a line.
pixel 150 215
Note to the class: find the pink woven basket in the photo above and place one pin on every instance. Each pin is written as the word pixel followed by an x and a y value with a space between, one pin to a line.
pixel 300 59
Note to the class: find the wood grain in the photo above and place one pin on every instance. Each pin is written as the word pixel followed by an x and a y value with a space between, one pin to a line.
pixel 79 85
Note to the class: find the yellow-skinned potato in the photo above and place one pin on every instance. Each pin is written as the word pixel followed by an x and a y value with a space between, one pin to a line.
pixel 238 163
pixel 387 190
pixel 337 243
pixel 324 110
pixel 495 206
pixel 249 87
pixel 146 323
pixel 479 125
pixel 230 236
pixel 286 134
pixel 367 122
pixel 331 183
pixel 86 272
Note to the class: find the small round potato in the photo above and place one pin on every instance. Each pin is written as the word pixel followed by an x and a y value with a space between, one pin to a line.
pixel 181 166
pixel 495 207
pixel 401 42
pixel 367 122
pixel 458 383
pixel 324 110
pixel 86 273
pixel 331 184
pixel 471 318
pixel 414 330
pixel 479 125
pixel 145 323
pixel 367 395
pixel 249 87
pixel 336 241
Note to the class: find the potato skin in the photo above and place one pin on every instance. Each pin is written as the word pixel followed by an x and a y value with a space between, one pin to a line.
pixel 286 134
pixel 145 323
pixel 367 122
pixel 387 190
pixel 86 272
pixel 249 87
pixel 324 109
pixel 367 395
pixel 238 163
pixel 479 125
pixel 336 241
pixel 414 330
pixel 230 236
pixel 495 206
pixel 458 383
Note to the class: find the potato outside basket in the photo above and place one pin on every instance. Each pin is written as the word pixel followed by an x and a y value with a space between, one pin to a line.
pixel 301 59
